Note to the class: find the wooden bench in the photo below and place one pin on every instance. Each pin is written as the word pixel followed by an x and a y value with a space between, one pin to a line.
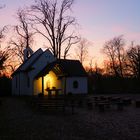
pixel 52 107
pixel 115 99
pixel 48 104
pixel 127 101
pixel 55 104
pixel 103 105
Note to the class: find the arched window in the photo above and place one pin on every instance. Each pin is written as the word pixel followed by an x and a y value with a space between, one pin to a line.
pixel 75 84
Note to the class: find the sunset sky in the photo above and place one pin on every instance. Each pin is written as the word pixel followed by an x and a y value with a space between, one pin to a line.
pixel 99 20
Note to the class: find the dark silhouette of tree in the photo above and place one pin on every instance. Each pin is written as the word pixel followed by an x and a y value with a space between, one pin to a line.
pixel 133 55
pixel 4 52
pixel 82 50
pixel 114 50
pixel 1 34
pixel 24 36
pixel 3 57
pixel 90 67
pixel 54 17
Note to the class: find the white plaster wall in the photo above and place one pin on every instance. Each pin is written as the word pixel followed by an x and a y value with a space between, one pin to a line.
pixel 23 84
pixel 22 87
pixel 82 85
pixel 37 86
pixel 34 56
pixel 15 88
pixel 41 62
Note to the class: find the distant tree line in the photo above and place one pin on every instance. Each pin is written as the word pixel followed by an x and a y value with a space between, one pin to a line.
pixel 121 72
pixel 122 62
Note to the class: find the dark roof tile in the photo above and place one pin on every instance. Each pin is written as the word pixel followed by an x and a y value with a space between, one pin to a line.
pixel 65 67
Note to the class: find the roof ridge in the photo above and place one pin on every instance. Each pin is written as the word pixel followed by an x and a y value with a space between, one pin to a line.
pixel 20 67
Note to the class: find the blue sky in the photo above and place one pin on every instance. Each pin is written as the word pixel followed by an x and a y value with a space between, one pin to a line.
pixel 99 20
pixel 107 18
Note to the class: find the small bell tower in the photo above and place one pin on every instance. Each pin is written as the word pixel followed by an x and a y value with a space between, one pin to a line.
pixel 27 53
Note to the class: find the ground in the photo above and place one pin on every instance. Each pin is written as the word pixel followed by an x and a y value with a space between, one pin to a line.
pixel 18 121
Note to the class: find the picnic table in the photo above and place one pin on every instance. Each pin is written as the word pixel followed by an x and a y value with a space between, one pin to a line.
pixel 103 103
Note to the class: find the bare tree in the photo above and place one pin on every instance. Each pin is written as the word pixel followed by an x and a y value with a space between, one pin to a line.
pixel 82 50
pixel 90 69
pixel 133 55
pixel 4 52
pixel 2 31
pixel 54 17
pixel 114 50
pixel 4 56
pixel 24 36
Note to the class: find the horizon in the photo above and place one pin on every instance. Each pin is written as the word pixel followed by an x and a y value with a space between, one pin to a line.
pixel 99 21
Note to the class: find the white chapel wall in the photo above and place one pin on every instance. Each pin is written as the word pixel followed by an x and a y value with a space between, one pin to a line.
pixel 82 85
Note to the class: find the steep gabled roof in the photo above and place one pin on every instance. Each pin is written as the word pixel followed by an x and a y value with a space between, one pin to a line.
pixel 26 65
pixel 63 67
